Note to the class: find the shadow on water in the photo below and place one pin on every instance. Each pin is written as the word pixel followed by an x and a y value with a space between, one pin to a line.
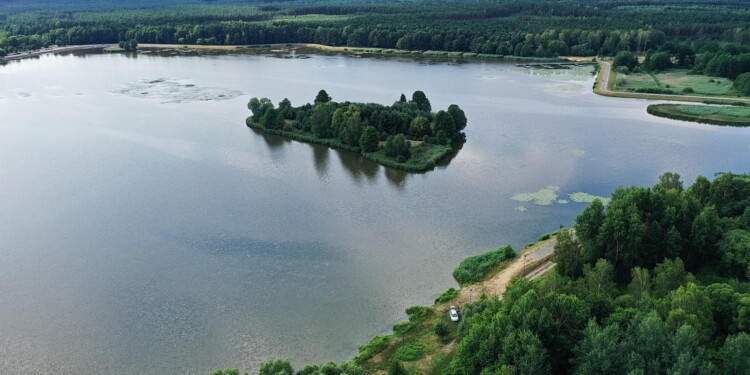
pixel 357 166
pixel 320 156
pixel 458 144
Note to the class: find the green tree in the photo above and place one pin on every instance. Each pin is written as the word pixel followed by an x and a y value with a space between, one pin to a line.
pixel 259 107
pixel 690 305
pixel 701 189
pixel 736 354
pixel 735 252
pixel 569 255
pixel 640 284
pixel 420 99
pixel 351 130
pixel 396 146
pixel 272 119
pixel 276 367
pixel 660 61
pixel 601 351
pixel 526 353
pixel 402 99
pixel 626 58
pixel 670 275
pixel 704 236
pixel 322 97
pixel 419 127
pixel 599 279
pixel 287 111
pixel 671 180
pixel 320 122
pixel 458 115
pixel 588 225
pixel 369 140
pixel 742 83
pixel 442 330
pixel 443 121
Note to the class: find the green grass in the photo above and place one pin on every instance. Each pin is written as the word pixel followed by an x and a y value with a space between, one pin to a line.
pixel 447 296
pixel 474 269
pixel 409 352
pixel 675 80
pixel 707 114
pixel 707 110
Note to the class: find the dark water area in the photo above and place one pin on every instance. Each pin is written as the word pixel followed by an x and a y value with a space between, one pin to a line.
pixel 145 229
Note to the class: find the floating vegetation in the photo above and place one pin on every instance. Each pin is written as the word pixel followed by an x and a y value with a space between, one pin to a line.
pixel 520 208
pixel 564 89
pixel 580 153
pixel 175 91
pixel 544 197
pixel 563 201
pixel 581 197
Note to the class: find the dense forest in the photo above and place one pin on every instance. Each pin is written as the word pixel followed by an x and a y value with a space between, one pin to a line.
pixel 413 137
pixel 693 32
pixel 656 282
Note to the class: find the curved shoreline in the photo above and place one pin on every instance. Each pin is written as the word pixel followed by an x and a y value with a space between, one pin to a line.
pixel 605 80
pixel 670 111
pixel 374 156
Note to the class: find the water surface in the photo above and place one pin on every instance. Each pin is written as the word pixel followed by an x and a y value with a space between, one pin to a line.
pixel 144 229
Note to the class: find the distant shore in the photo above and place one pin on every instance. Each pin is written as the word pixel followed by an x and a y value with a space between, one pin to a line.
pixel 44 51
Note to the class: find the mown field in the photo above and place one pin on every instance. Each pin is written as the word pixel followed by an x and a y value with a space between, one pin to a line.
pixel 676 80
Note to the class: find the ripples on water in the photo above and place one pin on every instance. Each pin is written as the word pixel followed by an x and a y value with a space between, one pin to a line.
pixel 164 236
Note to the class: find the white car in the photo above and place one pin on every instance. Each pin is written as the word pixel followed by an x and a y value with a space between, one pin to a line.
pixel 453 312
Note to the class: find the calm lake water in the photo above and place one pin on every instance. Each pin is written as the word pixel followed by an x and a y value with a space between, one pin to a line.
pixel 145 230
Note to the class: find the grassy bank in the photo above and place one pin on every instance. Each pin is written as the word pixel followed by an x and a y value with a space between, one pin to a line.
pixel 417 343
pixel 706 114
pixel 654 92
pixel 675 82
pixel 424 157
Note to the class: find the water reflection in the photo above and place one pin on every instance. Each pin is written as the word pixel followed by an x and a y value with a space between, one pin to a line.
pixel 320 156
pixel 358 167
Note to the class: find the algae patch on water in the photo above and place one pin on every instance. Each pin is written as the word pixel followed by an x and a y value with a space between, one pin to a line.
pixel 175 91
pixel 543 197
pixel 581 197
pixel 580 153
pixel 548 196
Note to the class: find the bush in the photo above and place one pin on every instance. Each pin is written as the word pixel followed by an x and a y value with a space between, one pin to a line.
pixel 402 327
pixel 409 352
pixel 442 330
pixel 544 237
pixel 448 295
pixel 417 312
pixel 688 90
pixel 742 83
pixel 475 268
pixel 376 345
pixel 653 90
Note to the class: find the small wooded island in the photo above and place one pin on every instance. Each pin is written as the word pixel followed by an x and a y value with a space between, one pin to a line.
pixel 406 135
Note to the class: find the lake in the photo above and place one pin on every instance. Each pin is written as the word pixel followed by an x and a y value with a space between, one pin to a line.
pixel 145 229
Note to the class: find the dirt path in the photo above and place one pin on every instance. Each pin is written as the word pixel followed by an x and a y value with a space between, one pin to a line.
pixel 602 89
pixel 25 54
pixel 497 283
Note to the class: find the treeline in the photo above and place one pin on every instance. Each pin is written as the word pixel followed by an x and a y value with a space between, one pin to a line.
pixel 361 126
pixel 711 58
pixel 520 28
pixel 654 283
